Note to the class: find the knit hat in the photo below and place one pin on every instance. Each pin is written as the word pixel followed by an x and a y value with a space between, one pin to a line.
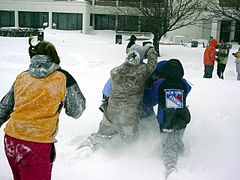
pixel 133 38
pixel 44 48
pixel 172 69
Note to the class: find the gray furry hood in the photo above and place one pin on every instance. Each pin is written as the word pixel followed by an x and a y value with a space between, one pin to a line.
pixel 41 66
pixel 141 50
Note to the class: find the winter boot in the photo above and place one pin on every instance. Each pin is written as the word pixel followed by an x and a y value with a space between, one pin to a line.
pixel 173 176
pixel 181 148
pixel 170 173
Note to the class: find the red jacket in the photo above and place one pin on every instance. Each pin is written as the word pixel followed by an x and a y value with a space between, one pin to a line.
pixel 210 53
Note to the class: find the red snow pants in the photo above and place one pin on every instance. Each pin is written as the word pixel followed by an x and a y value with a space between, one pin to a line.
pixel 29 160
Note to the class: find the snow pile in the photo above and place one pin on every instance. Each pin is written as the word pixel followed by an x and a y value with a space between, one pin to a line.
pixel 212 139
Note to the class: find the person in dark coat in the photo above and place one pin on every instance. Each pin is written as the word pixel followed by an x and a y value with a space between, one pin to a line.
pixel 131 42
pixel 173 115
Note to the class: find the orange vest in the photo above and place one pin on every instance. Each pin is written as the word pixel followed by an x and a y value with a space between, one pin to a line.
pixel 36 109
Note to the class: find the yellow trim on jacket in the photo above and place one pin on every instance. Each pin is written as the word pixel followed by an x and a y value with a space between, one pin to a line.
pixel 37 100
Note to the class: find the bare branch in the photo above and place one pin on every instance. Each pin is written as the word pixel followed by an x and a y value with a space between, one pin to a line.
pixel 162 16
pixel 230 9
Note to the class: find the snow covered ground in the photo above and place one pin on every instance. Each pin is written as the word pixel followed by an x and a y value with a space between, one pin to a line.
pixel 212 138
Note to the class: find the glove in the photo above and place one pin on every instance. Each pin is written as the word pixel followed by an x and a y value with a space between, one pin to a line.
pixel 105 98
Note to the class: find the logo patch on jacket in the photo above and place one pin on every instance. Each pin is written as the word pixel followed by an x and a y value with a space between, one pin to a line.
pixel 174 98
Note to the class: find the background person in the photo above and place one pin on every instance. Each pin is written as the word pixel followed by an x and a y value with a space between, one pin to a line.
pixel 209 58
pixel 131 42
pixel 237 61
pixel 222 59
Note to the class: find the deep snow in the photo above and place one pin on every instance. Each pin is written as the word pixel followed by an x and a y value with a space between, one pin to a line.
pixel 212 138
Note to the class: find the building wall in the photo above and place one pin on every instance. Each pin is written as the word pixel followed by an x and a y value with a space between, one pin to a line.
pixel 49 6
pixel 187 33
pixel 75 15
pixel 206 29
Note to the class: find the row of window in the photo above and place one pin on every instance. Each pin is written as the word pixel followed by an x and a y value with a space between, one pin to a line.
pixel 225 32
pixel 123 23
pixel 73 21
pixel 63 21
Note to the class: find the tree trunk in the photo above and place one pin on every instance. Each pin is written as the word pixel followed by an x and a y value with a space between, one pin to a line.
pixel 156 41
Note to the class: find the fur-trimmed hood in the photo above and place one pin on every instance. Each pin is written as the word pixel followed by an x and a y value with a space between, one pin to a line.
pixel 41 66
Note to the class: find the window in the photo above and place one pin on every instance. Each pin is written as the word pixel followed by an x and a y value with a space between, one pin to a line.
pixel 225 30
pixel 32 19
pixel 7 19
pixel 237 32
pixel 128 23
pixel 106 2
pixel 104 22
pixel 68 21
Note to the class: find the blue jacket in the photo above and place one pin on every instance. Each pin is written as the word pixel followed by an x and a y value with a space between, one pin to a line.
pixel 107 90
pixel 155 97
pixel 170 93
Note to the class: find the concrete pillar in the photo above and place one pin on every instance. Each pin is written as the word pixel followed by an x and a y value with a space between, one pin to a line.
pixel 50 19
pixel 218 29
pixel 16 19
pixel 93 21
pixel 116 23
pixel 214 29
pixel 232 32
pixel 86 19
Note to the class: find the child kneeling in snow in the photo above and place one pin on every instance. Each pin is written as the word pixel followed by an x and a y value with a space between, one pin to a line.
pixel 122 111
pixel 173 115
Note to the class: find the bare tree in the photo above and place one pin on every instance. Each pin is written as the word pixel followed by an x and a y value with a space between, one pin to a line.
pixel 162 16
pixel 229 9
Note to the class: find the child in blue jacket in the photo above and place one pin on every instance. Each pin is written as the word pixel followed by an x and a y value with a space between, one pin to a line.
pixel 170 93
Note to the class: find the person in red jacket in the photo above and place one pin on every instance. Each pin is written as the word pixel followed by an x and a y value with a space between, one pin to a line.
pixel 209 58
